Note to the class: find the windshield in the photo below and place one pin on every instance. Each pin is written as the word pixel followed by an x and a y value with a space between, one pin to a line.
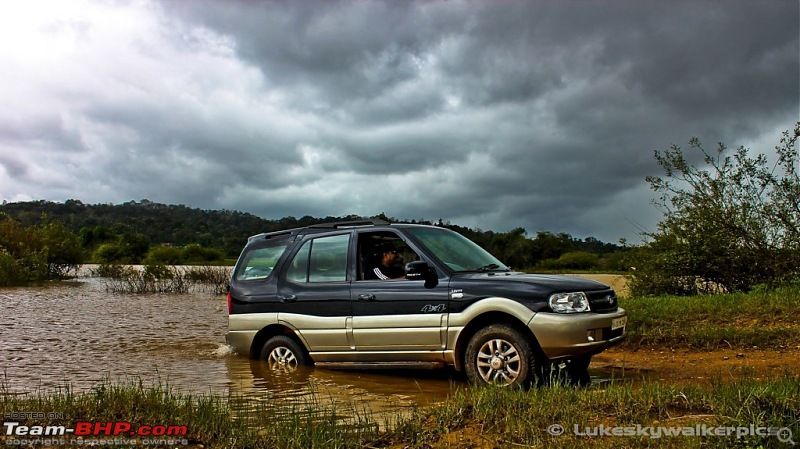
pixel 456 251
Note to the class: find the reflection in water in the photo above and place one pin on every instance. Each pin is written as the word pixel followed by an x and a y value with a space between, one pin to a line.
pixel 75 333
pixel 374 391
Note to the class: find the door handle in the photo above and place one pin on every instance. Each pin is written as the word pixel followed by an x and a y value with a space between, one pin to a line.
pixel 367 297
pixel 287 298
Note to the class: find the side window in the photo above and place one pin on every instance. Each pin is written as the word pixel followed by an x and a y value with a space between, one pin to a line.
pixel 298 269
pixel 322 259
pixel 259 263
pixel 383 255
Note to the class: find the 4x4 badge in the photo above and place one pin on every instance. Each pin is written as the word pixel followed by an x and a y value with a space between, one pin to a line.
pixel 431 308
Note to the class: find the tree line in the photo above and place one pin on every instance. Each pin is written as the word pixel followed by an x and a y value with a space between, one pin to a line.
pixel 152 233
pixel 731 223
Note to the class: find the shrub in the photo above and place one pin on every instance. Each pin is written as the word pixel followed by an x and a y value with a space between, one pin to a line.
pixel 196 254
pixel 728 225
pixel 575 260
pixel 108 253
pixel 36 253
pixel 168 255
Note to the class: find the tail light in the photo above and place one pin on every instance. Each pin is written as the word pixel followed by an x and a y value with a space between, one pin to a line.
pixel 229 303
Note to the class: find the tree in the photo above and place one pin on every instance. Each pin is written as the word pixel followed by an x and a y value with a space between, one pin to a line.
pixel 36 253
pixel 513 248
pixel 63 248
pixel 730 224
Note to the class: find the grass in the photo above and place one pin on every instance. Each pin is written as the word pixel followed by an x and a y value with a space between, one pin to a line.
pixel 475 417
pixel 210 420
pixel 163 278
pixel 741 320
pixel 500 417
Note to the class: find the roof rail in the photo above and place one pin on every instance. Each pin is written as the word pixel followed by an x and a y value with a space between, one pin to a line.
pixel 349 224
pixel 333 225
pixel 273 234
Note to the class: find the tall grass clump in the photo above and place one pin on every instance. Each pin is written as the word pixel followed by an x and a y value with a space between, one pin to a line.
pixel 159 278
pixel 214 279
pixel 214 421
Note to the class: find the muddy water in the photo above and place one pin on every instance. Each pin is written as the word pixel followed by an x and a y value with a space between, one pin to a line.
pixel 77 334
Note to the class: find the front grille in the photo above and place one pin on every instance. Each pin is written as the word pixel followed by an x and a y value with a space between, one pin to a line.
pixel 603 301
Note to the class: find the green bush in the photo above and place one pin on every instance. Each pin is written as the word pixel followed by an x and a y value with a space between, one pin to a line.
pixel 619 261
pixel 11 270
pixel 63 248
pixel 167 255
pixel 108 253
pixel 36 253
pixel 196 254
pixel 729 224
pixel 574 260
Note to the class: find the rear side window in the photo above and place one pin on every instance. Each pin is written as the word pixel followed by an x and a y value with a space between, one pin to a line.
pixel 322 259
pixel 259 263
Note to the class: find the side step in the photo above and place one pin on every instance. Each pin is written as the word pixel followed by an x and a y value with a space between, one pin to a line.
pixel 380 365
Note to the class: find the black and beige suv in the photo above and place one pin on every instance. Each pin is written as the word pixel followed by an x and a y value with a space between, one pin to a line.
pixel 309 295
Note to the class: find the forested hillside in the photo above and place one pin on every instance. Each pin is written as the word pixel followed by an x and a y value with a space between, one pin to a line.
pixel 146 223
pixel 176 225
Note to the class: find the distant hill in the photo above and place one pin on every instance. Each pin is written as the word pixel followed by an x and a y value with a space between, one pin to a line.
pixel 227 230
pixel 177 225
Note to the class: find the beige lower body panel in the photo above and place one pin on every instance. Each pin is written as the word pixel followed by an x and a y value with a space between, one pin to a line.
pixel 416 332
pixel 319 333
pixel 241 341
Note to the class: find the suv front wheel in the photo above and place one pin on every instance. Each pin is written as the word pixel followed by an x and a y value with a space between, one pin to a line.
pixel 499 354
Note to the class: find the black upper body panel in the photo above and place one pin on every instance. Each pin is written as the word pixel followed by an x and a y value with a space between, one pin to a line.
pixel 275 293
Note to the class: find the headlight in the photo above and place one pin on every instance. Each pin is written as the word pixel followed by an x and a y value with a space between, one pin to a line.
pixel 569 302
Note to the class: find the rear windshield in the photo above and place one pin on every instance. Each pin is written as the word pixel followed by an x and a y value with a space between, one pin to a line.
pixel 258 263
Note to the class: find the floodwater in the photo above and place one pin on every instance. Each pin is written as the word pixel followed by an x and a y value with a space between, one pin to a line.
pixel 77 334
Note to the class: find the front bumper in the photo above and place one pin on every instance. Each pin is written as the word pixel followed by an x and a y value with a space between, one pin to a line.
pixel 580 334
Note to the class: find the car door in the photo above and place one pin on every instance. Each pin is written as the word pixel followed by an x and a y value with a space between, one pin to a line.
pixel 398 314
pixel 314 289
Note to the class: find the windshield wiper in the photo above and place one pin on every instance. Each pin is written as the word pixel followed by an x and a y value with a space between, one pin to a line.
pixel 491 266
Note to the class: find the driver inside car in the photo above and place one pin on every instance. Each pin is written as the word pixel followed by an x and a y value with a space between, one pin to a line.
pixel 385 269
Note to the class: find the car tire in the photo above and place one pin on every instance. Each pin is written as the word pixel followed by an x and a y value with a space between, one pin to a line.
pixel 284 353
pixel 501 355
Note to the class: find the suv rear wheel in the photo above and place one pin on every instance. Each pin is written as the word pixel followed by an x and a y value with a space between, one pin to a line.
pixel 282 352
pixel 499 354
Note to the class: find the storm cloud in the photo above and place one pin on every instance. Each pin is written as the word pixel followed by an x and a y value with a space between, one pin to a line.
pixel 495 115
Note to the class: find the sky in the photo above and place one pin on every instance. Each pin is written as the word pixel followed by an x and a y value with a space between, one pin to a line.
pixel 488 114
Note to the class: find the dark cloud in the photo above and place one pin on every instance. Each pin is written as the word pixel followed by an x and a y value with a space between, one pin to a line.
pixel 495 115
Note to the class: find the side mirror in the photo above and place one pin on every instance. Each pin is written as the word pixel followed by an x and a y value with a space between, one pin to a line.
pixel 420 271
